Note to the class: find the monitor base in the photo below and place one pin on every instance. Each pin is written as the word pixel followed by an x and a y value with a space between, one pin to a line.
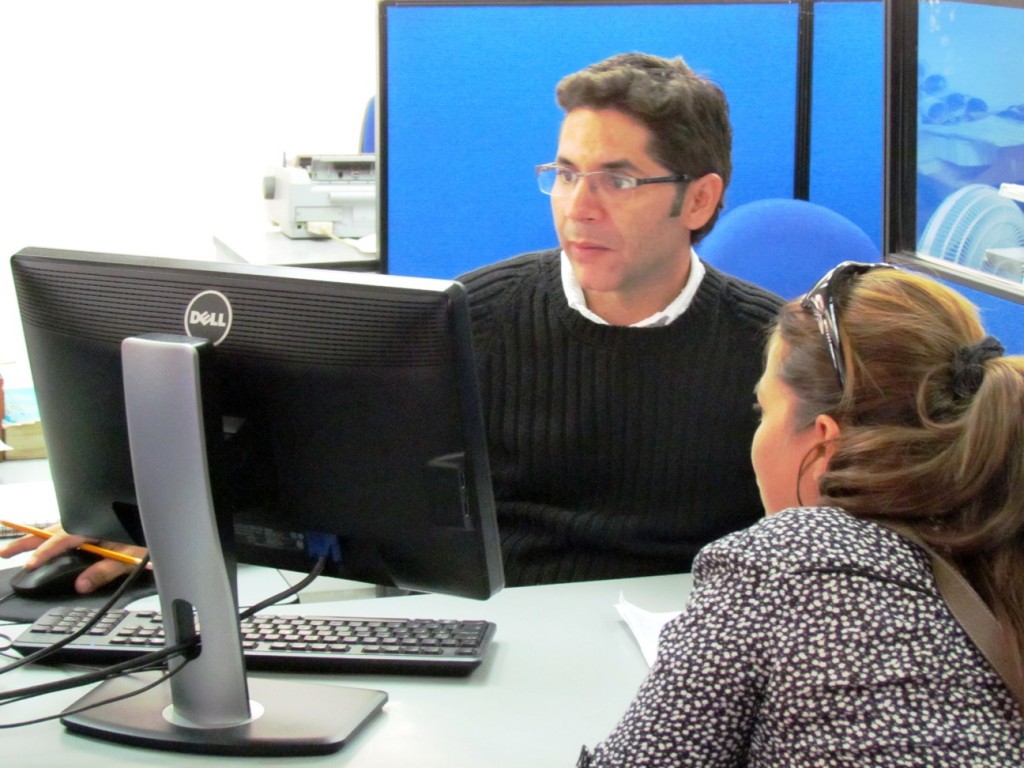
pixel 297 718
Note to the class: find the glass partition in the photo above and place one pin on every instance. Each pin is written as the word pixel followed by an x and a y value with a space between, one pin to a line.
pixel 955 130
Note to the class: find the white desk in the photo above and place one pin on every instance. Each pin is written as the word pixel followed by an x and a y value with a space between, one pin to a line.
pixel 24 471
pixel 270 246
pixel 561 672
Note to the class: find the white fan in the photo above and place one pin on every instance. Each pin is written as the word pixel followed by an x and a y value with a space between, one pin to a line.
pixel 968 223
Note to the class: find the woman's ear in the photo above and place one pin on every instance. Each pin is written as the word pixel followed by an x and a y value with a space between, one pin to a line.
pixel 826 430
pixel 701 200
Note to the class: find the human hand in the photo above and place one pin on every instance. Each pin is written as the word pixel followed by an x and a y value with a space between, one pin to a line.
pixel 93 577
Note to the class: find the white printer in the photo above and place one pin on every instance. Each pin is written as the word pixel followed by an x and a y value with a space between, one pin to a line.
pixel 323 196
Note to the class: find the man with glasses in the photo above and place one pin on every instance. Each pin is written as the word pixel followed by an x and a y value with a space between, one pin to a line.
pixel 618 371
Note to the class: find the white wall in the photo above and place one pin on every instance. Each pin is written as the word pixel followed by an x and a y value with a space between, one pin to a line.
pixel 139 127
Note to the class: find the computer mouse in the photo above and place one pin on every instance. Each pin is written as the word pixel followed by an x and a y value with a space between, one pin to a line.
pixel 55 577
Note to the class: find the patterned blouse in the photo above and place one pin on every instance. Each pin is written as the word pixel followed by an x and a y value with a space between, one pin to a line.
pixel 816 639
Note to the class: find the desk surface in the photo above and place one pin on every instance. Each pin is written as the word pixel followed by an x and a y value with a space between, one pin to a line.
pixel 561 671
pixel 273 247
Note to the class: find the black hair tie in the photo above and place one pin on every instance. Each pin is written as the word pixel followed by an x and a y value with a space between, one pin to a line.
pixel 969 366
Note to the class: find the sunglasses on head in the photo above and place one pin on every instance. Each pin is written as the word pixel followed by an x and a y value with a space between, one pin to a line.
pixel 821 301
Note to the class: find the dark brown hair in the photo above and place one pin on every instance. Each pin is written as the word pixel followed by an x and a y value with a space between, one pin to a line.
pixel 687 115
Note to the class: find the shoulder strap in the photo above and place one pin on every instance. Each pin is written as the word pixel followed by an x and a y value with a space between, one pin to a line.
pixel 992 638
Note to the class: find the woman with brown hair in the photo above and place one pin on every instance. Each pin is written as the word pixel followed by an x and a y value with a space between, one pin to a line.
pixel 876 616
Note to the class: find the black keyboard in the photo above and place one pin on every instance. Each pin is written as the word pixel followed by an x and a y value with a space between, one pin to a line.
pixel 324 644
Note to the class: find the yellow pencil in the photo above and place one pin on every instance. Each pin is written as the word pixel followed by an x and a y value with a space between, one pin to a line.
pixel 101 551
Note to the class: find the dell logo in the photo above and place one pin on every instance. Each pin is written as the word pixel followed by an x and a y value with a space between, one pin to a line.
pixel 208 316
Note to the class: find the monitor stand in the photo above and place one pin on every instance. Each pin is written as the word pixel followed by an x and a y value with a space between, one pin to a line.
pixel 208 706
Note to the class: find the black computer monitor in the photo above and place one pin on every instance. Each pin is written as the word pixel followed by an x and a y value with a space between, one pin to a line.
pixel 275 413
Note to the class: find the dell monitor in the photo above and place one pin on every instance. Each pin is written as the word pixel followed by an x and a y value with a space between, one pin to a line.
pixel 277 415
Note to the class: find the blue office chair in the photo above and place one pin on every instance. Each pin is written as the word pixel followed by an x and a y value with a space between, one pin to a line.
pixel 784 245
pixel 368 134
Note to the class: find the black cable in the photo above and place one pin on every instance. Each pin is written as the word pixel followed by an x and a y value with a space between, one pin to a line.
pixel 149 686
pixel 42 653
pixel 155 655
pixel 189 648
pixel 128 666
pixel 317 569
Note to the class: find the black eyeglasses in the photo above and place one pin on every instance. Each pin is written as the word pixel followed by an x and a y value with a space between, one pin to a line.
pixel 821 300
pixel 557 180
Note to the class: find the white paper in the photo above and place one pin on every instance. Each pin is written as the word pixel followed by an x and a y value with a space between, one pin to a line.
pixel 645 626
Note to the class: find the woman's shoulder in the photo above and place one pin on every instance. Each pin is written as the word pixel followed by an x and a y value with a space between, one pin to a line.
pixel 804 539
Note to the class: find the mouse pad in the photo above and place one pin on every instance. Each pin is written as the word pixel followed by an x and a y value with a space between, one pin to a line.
pixel 25 611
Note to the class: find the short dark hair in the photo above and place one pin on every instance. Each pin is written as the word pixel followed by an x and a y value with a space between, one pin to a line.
pixel 687 114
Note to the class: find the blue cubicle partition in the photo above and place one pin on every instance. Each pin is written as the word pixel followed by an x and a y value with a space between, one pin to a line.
pixel 847 106
pixel 467 110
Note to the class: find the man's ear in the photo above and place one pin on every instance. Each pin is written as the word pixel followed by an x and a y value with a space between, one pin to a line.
pixel 701 200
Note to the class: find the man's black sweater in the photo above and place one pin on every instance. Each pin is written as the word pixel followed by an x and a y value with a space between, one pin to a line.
pixel 615 451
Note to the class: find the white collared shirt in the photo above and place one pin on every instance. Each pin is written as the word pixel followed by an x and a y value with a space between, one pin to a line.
pixel 678 305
